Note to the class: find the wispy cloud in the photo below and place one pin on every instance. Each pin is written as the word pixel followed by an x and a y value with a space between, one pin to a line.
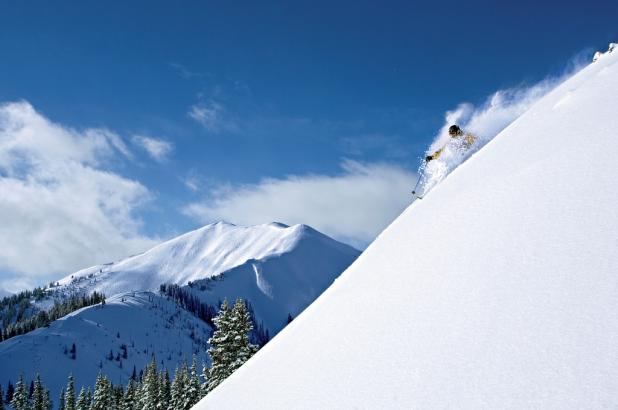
pixel 353 206
pixel 61 208
pixel 213 117
pixel 158 149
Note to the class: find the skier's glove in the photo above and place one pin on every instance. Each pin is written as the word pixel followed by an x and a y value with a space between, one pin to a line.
pixel 428 158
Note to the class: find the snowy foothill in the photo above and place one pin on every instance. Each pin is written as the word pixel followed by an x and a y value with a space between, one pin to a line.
pixel 497 290
pixel 127 332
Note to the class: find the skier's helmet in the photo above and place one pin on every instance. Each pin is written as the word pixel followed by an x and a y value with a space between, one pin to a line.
pixel 454 130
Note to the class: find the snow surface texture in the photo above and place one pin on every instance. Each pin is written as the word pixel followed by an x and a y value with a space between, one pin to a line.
pixel 279 269
pixel 498 290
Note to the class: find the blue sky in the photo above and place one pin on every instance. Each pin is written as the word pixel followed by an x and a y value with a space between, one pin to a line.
pixel 246 111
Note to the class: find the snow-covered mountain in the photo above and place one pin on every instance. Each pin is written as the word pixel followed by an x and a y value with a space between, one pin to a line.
pixel 200 254
pixel 132 326
pixel 498 290
pixel 278 269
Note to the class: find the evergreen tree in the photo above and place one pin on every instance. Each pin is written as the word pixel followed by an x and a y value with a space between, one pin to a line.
pixel 220 350
pixel 38 395
pixel 102 399
pixel 1 399
pixel 205 377
pixel 89 398
pixel 61 401
pixel 242 326
pixel 20 397
pixel 181 380
pixel 10 390
pixel 48 405
pixel 194 392
pixel 118 392
pixel 69 397
pixel 130 398
pixel 165 394
pixel 82 400
pixel 150 387
pixel 229 345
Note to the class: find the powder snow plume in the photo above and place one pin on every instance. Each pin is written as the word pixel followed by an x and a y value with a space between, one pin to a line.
pixel 485 121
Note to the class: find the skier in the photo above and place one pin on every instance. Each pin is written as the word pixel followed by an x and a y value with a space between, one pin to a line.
pixel 456 133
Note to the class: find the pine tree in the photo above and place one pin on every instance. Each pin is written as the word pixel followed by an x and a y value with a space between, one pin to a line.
pixel 179 389
pixel 219 351
pixel 48 405
pixel 1 399
pixel 38 395
pixel 150 387
pixel 229 345
pixel 118 392
pixel 20 397
pixel 82 400
pixel 205 377
pixel 69 399
pixel 10 390
pixel 164 398
pixel 102 399
pixel 89 398
pixel 242 326
pixel 129 400
pixel 193 392
pixel 61 405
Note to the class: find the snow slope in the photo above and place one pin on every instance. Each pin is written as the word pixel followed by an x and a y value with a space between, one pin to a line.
pixel 498 290
pixel 147 324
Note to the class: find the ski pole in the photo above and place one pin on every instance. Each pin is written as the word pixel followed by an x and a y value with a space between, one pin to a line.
pixel 417 182
pixel 421 170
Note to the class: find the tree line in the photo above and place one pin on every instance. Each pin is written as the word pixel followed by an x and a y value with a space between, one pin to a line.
pixel 44 318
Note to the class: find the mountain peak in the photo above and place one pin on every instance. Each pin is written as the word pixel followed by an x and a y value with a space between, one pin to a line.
pixel 200 254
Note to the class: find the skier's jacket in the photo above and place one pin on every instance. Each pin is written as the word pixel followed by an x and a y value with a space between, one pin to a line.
pixel 467 139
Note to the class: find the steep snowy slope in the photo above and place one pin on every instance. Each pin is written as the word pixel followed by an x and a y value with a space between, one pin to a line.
pixel 498 290
pixel 143 322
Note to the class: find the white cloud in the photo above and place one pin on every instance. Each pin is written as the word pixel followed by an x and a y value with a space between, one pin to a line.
pixel 354 206
pixel 212 116
pixel 158 149
pixel 60 208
